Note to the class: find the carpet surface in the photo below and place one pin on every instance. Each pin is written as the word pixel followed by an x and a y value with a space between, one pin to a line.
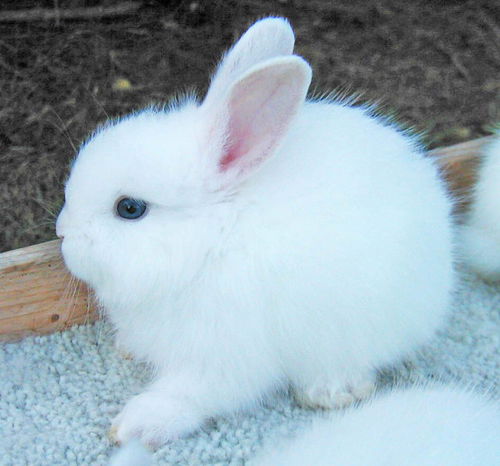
pixel 58 393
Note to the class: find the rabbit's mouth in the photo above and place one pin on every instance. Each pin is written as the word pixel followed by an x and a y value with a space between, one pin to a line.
pixel 78 254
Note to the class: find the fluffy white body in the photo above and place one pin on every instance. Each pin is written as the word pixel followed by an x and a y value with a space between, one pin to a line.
pixel 285 242
pixel 481 233
pixel 416 427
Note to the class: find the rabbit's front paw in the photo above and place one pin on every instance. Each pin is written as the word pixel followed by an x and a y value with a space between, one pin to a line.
pixel 154 419
pixel 330 395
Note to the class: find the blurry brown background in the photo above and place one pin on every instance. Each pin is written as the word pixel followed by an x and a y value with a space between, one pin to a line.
pixel 435 63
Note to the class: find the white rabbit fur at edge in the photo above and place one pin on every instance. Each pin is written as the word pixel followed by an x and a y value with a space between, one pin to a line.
pixel 131 454
pixel 285 242
pixel 480 239
pixel 434 426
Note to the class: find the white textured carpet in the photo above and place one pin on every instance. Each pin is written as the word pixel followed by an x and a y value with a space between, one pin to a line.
pixel 58 393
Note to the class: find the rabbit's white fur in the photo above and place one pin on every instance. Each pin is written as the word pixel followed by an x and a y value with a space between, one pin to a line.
pixel 131 454
pixel 439 426
pixel 285 242
pixel 481 232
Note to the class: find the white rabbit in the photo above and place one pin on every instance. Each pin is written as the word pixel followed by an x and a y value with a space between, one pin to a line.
pixel 480 237
pixel 416 427
pixel 257 240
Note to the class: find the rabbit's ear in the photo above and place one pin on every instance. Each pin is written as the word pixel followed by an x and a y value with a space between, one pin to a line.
pixel 267 38
pixel 254 115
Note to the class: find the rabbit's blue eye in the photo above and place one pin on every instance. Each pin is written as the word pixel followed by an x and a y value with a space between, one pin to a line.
pixel 130 209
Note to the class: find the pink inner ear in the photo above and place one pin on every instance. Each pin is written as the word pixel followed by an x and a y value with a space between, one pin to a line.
pixel 255 122
pixel 257 112
pixel 232 151
pixel 226 161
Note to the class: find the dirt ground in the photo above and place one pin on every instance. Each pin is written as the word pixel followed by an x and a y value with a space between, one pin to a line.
pixel 435 63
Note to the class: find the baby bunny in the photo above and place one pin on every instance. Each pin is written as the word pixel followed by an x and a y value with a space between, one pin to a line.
pixel 480 237
pixel 257 240
pixel 437 426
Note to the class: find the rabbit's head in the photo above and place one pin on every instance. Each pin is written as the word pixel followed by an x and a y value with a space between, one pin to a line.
pixel 152 194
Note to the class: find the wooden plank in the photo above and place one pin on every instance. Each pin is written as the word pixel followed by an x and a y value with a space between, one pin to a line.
pixel 459 165
pixel 38 295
